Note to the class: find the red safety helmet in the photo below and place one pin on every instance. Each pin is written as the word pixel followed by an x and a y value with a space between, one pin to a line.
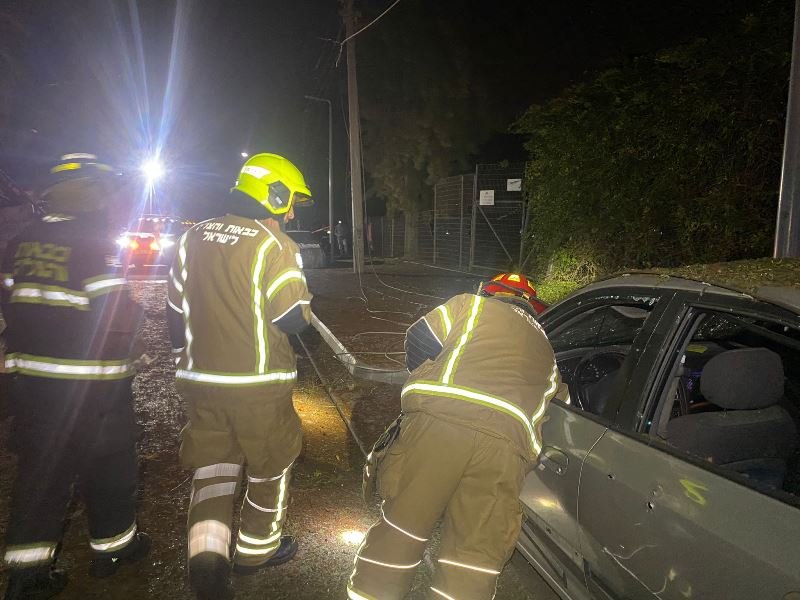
pixel 513 284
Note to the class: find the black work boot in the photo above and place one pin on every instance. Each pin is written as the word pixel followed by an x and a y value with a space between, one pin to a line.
pixel 37 583
pixel 284 554
pixel 209 576
pixel 105 566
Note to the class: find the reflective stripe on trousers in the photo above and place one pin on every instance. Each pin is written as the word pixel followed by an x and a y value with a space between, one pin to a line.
pixel 209 536
pixel 210 508
pixel 263 516
pixel 29 555
pixel 113 544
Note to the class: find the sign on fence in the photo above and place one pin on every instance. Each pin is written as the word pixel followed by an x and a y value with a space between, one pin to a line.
pixel 487 198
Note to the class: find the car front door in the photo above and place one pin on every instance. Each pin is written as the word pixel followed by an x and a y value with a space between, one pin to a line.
pixel 657 522
pixel 587 326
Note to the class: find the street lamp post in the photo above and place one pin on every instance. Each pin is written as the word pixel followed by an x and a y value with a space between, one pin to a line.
pixel 330 168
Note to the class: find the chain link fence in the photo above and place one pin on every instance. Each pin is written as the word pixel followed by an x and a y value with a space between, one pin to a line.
pixel 475 223
pixel 387 235
pixel 452 221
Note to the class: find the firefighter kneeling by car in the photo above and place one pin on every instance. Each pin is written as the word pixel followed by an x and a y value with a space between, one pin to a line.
pixel 482 375
pixel 71 328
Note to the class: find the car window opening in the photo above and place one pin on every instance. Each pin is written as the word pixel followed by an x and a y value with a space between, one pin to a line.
pixel 734 399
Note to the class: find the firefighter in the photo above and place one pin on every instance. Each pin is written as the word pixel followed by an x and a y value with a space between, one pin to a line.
pixel 71 328
pixel 236 292
pixel 482 375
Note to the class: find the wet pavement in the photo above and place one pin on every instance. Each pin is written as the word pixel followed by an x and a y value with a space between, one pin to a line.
pixel 327 513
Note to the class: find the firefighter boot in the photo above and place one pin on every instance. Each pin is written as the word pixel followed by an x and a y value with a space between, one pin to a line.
pixel 36 583
pixel 284 554
pixel 100 568
pixel 209 576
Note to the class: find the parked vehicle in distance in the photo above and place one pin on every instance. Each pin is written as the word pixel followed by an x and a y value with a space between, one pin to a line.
pixel 310 249
pixel 322 235
pixel 151 241
pixel 671 469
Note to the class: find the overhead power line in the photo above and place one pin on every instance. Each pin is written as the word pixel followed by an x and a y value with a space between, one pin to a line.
pixel 370 24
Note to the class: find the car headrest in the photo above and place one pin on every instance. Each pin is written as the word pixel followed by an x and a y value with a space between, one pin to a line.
pixel 743 379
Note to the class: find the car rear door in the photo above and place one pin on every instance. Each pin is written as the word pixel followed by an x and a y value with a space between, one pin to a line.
pixel 657 526
pixel 657 523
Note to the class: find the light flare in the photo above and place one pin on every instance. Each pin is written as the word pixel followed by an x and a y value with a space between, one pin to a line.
pixel 153 171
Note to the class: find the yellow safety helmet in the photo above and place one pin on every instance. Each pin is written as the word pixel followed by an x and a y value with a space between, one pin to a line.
pixel 274 182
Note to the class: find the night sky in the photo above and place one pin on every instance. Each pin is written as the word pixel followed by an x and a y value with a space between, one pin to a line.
pixel 206 79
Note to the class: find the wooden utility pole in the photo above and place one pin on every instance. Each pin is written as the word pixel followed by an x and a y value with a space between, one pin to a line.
pixel 355 141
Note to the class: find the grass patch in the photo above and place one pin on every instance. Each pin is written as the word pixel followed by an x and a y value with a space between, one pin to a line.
pixel 742 275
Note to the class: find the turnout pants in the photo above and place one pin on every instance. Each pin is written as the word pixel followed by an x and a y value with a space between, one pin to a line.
pixel 229 428
pixel 438 470
pixel 67 432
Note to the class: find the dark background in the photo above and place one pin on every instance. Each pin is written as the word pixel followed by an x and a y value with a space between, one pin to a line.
pixel 202 81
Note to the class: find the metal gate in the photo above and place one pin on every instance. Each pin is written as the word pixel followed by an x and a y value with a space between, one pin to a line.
pixel 498 215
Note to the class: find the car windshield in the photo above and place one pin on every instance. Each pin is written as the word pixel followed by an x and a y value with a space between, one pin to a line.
pixel 605 326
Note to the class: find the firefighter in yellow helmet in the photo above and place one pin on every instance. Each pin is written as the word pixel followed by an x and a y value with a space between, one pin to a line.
pixel 236 292
pixel 482 375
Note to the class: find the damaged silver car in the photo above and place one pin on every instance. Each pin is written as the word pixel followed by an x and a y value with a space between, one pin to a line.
pixel 672 469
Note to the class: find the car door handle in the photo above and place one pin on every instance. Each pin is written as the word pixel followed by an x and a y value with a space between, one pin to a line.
pixel 554 459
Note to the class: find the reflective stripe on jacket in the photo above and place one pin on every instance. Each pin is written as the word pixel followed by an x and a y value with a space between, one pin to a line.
pixel 496 371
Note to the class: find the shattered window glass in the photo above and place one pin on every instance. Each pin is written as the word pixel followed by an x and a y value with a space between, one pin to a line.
pixel 609 325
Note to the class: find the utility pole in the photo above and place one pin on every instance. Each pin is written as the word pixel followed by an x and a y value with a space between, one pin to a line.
pixel 355 141
pixel 787 230
pixel 330 169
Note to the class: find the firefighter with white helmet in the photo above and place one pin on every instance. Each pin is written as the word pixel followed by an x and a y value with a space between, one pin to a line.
pixel 71 328
pixel 236 292
pixel 482 375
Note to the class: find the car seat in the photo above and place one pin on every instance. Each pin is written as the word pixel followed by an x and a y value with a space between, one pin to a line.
pixel 752 435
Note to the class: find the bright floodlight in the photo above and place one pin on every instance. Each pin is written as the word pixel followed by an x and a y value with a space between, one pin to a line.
pixel 153 170
pixel 245 154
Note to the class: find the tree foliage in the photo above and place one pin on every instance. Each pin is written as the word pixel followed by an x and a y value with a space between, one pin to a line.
pixel 420 97
pixel 670 158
